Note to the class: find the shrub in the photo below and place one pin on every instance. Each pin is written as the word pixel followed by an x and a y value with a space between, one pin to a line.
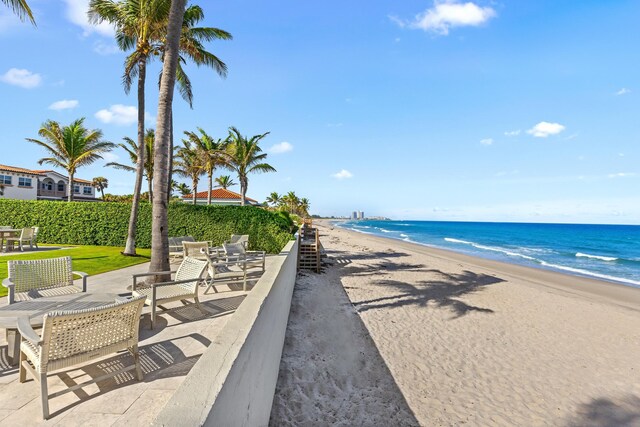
pixel 105 224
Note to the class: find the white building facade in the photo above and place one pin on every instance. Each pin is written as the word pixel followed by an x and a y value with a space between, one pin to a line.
pixel 26 184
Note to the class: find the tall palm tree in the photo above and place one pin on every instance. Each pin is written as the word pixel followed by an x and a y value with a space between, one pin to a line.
pixel 245 157
pixel 225 181
pixel 100 182
pixel 20 8
pixel 131 147
pixel 189 163
pixel 71 146
pixel 137 22
pixel 274 199
pixel 211 153
pixel 161 166
pixel 291 201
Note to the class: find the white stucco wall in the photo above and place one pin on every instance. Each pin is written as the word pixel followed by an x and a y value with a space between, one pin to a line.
pixel 234 381
pixel 14 191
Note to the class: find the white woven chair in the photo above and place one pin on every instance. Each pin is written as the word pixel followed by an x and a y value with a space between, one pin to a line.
pixel 34 240
pixel 196 250
pixel 240 238
pixel 26 235
pixel 44 277
pixel 251 258
pixel 184 286
pixel 69 338
pixel 222 272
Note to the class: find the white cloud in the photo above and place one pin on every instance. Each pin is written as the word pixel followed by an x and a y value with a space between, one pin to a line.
pixel 544 129
pixel 447 14
pixel 77 14
pixel 621 175
pixel 22 78
pixel 65 104
pixel 343 174
pixel 512 133
pixel 486 141
pixel 282 147
pixel 102 48
pixel 110 157
pixel 623 91
pixel 122 115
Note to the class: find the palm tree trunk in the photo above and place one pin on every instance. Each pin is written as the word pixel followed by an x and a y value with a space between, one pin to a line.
pixel 150 190
pixel 169 189
pixel 71 187
pixel 243 191
pixel 194 193
pixel 130 247
pixel 210 187
pixel 102 192
pixel 160 220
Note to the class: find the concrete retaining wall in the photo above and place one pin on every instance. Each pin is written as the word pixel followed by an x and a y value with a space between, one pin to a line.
pixel 234 381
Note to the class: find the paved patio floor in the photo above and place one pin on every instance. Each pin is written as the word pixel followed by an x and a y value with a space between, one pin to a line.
pixel 167 354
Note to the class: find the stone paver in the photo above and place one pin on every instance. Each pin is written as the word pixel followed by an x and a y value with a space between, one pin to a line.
pixel 167 354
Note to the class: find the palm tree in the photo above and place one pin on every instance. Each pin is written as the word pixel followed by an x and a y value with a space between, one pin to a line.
pixel 137 22
pixel 182 188
pixel 291 200
pixel 303 206
pixel 100 182
pixel 20 8
pixel 131 147
pixel 244 158
pixel 210 151
pixel 71 146
pixel 225 181
pixel 1 189
pixel 190 164
pixel 274 199
pixel 161 166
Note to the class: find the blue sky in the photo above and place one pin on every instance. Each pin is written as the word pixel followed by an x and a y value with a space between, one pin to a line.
pixel 447 110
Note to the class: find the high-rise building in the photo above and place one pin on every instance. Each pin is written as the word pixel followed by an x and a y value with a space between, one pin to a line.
pixel 361 215
pixel 354 215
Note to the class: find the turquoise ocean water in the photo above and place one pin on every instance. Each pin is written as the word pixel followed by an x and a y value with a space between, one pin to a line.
pixel 605 252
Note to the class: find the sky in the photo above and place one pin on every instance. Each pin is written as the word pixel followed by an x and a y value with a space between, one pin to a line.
pixel 475 110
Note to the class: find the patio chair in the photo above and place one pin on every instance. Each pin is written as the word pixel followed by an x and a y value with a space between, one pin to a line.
pixel 196 250
pixel 39 278
pixel 240 238
pixel 221 272
pixel 184 286
pixel 35 236
pixel 176 249
pixel 251 258
pixel 69 338
pixel 26 235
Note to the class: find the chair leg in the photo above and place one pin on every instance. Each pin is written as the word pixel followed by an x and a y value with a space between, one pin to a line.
pixel 136 359
pixel 44 395
pixel 153 315
pixel 199 307
pixel 13 345
pixel 23 369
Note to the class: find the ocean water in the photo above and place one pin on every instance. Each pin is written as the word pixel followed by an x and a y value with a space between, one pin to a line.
pixel 605 252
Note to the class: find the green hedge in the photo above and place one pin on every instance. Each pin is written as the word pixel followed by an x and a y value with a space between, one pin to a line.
pixel 105 224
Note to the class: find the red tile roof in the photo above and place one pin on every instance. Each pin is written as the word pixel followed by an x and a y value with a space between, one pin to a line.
pixel 219 193
pixel 19 170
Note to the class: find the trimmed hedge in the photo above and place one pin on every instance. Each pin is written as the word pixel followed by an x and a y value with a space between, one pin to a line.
pixel 105 224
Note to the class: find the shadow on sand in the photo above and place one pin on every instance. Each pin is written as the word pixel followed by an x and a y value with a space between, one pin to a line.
pixel 604 412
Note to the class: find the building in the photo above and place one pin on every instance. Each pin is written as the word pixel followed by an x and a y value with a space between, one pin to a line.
pixel 360 215
pixel 220 197
pixel 354 215
pixel 27 184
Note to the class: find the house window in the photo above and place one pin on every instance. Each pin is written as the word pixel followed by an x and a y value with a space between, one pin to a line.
pixel 87 190
pixel 76 189
pixel 5 179
pixel 24 182
pixel 61 186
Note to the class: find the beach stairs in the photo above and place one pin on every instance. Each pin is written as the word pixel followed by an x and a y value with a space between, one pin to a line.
pixel 309 249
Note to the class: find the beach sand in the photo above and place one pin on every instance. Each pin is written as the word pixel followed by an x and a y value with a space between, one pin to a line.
pixel 393 333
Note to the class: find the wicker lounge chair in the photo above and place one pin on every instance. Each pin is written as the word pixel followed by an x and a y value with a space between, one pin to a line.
pixel 44 277
pixel 184 285
pixel 26 235
pixel 196 250
pixel 69 338
pixel 240 238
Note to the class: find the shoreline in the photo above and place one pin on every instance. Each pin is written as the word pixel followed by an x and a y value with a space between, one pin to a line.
pixel 614 292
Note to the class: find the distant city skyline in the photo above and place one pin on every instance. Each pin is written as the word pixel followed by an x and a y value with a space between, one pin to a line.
pixel 478 111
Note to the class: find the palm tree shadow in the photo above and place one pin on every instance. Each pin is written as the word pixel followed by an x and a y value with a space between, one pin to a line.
pixel 444 293
pixel 603 412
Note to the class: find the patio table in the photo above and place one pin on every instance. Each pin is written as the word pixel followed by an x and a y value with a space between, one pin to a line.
pixel 35 310
pixel 4 233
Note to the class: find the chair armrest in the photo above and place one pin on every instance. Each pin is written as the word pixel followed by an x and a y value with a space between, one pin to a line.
pixel 84 279
pixel 7 283
pixel 175 282
pixel 27 332
pixel 151 273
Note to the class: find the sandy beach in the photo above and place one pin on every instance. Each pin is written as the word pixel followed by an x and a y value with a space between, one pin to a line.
pixel 393 333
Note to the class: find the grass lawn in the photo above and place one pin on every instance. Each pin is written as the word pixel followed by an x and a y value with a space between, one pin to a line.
pixel 90 259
